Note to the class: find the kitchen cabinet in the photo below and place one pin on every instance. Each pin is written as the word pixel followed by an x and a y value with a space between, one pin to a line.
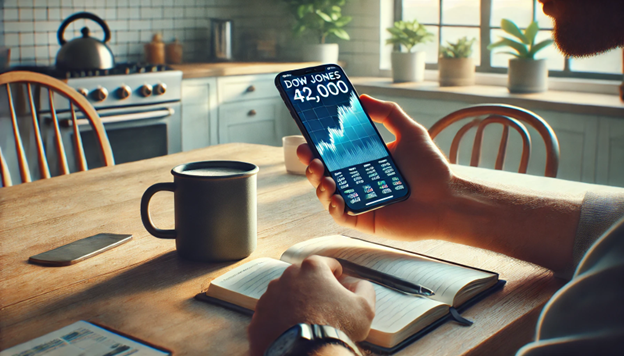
pixel 592 147
pixel 610 157
pixel 254 121
pixel 238 108
pixel 199 113
pixel 251 110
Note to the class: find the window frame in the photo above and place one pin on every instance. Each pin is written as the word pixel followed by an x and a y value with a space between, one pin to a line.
pixel 485 39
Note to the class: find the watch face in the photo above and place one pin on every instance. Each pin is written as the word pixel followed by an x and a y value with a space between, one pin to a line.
pixel 284 343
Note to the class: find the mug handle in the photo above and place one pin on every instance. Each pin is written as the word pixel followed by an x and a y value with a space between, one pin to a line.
pixel 145 215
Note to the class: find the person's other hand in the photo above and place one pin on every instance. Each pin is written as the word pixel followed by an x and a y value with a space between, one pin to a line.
pixel 314 292
pixel 423 166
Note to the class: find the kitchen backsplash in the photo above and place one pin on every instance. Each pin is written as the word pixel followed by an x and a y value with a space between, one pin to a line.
pixel 29 28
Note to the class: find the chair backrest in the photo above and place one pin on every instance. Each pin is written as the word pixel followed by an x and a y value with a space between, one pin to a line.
pixel 508 116
pixel 33 83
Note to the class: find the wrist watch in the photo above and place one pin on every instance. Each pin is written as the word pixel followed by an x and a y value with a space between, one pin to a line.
pixel 303 338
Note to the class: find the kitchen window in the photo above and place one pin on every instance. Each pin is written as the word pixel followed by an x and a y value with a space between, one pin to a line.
pixel 449 20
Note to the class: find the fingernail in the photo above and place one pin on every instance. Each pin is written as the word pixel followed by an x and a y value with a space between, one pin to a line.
pixel 322 188
pixel 333 205
pixel 310 170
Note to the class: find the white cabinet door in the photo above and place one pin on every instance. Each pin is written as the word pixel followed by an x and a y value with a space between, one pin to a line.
pixel 199 113
pixel 238 88
pixel 253 121
pixel 610 161
pixel 251 110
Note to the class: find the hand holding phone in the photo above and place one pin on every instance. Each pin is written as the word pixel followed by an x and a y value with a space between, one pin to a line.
pixel 432 183
pixel 330 115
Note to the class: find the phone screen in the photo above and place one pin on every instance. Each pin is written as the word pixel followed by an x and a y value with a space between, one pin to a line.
pixel 328 109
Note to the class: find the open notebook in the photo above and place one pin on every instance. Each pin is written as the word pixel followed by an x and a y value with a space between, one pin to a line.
pixel 399 317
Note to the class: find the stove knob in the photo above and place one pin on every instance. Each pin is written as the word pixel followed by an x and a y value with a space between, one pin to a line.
pixel 84 92
pixel 123 92
pixel 145 90
pixel 100 94
pixel 160 89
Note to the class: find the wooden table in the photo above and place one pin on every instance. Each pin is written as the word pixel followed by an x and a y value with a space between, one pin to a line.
pixel 144 289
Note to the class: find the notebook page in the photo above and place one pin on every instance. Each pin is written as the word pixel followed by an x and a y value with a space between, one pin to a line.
pixel 252 278
pixel 395 310
pixel 444 279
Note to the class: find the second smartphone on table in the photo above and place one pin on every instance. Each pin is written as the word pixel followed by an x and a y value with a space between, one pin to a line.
pixel 330 116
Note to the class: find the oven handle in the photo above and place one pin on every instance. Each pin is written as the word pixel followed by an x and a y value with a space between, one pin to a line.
pixel 156 114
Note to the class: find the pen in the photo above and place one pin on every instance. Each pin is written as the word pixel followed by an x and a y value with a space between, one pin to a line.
pixel 384 279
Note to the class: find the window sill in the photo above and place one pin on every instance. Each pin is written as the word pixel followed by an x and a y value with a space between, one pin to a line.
pixel 557 100
pixel 596 86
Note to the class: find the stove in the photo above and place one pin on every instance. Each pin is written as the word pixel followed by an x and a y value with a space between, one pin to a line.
pixel 126 84
pixel 139 105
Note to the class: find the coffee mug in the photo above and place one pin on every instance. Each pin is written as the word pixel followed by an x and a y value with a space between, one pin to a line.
pixel 292 163
pixel 215 210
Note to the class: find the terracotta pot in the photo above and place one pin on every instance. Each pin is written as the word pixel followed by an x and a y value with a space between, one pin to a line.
pixel 527 75
pixel 408 67
pixel 325 53
pixel 456 72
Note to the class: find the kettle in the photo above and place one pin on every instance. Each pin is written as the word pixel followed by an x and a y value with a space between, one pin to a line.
pixel 84 53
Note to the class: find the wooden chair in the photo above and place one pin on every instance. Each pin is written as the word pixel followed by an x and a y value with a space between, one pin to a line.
pixel 34 83
pixel 508 116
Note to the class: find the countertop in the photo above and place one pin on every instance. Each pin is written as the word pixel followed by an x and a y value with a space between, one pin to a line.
pixel 203 70
pixel 582 103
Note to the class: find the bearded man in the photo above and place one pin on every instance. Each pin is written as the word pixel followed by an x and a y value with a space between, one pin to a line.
pixel 583 239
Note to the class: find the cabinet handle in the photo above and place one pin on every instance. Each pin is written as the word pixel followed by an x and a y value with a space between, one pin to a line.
pixel 252 112
pixel 251 88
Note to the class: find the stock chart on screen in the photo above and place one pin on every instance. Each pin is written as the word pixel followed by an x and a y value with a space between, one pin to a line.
pixel 344 137
pixel 353 141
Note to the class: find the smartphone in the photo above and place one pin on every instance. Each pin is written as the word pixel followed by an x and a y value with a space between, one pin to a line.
pixel 328 111
pixel 79 250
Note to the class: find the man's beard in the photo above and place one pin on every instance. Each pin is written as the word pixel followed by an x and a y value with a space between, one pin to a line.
pixel 587 27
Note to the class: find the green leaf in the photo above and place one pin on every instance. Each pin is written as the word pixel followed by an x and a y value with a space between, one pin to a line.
pixel 521 48
pixel 512 53
pixel 491 46
pixel 408 34
pixel 531 32
pixel 340 33
pixel 538 47
pixel 343 21
pixel 301 11
pixel 395 31
pixel 513 30
pixel 324 16
pixel 299 29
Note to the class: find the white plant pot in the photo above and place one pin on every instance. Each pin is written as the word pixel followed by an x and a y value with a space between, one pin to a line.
pixel 408 67
pixel 527 75
pixel 456 72
pixel 325 53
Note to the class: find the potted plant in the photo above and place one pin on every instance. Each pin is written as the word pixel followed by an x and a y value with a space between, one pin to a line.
pixel 408 66
pixel 322 19
pixel 526 74
pixel 455 67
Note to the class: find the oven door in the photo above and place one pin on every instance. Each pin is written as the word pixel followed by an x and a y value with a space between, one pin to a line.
pixel 135 133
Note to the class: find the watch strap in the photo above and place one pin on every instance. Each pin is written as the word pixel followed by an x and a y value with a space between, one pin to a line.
pixel 310 337
pixel 334 335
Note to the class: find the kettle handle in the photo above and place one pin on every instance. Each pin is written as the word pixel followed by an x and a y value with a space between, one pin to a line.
pixel 82 15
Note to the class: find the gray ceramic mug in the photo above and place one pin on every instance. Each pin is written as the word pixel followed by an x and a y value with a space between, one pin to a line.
pixel 215 210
